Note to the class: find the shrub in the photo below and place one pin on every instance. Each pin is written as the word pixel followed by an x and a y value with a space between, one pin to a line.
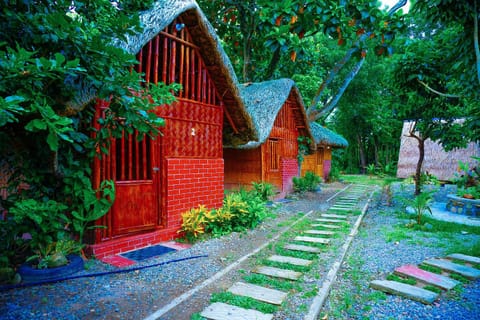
pixel 193 222
pixel 307 183
pixel 264 189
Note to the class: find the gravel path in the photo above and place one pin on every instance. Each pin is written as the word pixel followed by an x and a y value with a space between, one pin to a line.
pixel 372 256
pixel 135 295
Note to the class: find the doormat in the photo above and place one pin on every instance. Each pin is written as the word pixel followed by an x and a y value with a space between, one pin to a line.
pixel 148 252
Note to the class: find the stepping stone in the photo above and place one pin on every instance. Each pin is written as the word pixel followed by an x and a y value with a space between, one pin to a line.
pixel 467 272
pixel 312 239
pixel 340 208
pixel 277 272
pixel 222 311
pixel 328 226
pixel 299 247
pixel 290 260
pixel 329 215
pixel 426 276
pixel 405 290
pixel 464 257
pixel 330 220
pixel 321 232
pixel 258 293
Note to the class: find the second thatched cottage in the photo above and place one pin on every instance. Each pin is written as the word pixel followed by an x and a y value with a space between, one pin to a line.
pixel 277 110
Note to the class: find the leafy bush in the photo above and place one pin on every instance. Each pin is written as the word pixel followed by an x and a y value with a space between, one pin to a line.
pixel 468 179
pixel 264 189
pixel 240 211
pixel 307 183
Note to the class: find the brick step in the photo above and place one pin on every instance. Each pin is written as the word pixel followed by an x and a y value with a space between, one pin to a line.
pixel 299 247
pixel 259 293
pixel 278 272
pixel 447 265
pixel 404 290
pixel 223 311
pixel 290 260
pixel 312 239
pixel 426 276
pixel 464 258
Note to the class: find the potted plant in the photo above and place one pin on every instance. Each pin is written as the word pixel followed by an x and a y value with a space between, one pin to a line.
pixel 468 180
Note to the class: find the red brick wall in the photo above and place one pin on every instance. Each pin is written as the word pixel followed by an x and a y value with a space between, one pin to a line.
pixel 289 168
pixel 191 182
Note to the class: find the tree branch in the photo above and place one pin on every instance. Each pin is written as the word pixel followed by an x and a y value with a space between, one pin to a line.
pixel 446 95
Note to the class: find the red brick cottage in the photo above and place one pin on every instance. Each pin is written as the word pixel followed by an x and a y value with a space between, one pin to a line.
pixel 277 110
pixel 158 179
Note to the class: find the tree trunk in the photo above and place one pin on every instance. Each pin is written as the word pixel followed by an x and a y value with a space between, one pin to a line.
pixel 361 153
pixel 418 170
pixel 317 114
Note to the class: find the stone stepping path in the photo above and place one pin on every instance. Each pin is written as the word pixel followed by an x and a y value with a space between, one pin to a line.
pixel 467 272
pixel 338 215
pixel 425 277
pixel 259 293
pixel 405 290
pixel 320 232
pixel 223 311
pixel 312 239
pixel 290 260
pixel 278 273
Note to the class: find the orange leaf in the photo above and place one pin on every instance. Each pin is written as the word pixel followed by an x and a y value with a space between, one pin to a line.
pixel 341 42
pixel 293 56
pixel 293 19
pixel 351 23
pixel 363 54
pixel 278 21
pixel 360 31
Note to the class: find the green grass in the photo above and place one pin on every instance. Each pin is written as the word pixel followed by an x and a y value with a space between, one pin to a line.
pixel 262 280
pixel 394 277
pixel 430 268
pixel 368 179
pixel 243 302
pixel 433 289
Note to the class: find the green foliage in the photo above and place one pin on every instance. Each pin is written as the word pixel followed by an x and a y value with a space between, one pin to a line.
pixel 307 183
pixel 54 254
pixel 420 204
pixel 240 211
pixel 467 179
pixel 264 189
pixel 303 147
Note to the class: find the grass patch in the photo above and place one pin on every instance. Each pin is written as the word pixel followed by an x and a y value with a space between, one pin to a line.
pixel 394 277
pixel 368 179
pixel 296 254
pixel 396 234
pixel 269 282
pixel 430 268
pixel 459 277
pixel 286 266
pixel 433 289
pixel 243 302
pixel 311 293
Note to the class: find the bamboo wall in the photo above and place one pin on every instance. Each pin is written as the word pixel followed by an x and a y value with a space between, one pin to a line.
pixel 242 167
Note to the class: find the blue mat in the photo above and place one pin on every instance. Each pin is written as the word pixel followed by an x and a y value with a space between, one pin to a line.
pixel 148 252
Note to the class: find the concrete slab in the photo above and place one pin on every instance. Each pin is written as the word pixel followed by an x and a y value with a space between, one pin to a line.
pixel 331 215
pixel 290 260
pixel 299 247
pixel 259 293
pixel 467 272
pixel 329 220
pixel 320 232
pixel 278 272
pixel 312 239
pixel 464 257
pixel 323 225
pixel 223 311
pixel 405 290
pixel 427 277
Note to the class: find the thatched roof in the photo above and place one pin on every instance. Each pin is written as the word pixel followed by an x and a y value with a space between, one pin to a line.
pixel 326 137
pixel 216 61
pixel 438 162
pixel 264 100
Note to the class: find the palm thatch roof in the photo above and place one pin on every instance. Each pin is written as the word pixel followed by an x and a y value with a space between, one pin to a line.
pixel 437 161
pixel 326 137
pixel 216 61
pixel 264 101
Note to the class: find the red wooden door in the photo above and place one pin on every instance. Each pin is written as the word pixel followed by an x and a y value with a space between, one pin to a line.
pixel 136 169
pixel 272 163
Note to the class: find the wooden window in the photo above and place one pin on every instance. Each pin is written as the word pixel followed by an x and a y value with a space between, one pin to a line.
pixel 273 158
pixel 133 158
